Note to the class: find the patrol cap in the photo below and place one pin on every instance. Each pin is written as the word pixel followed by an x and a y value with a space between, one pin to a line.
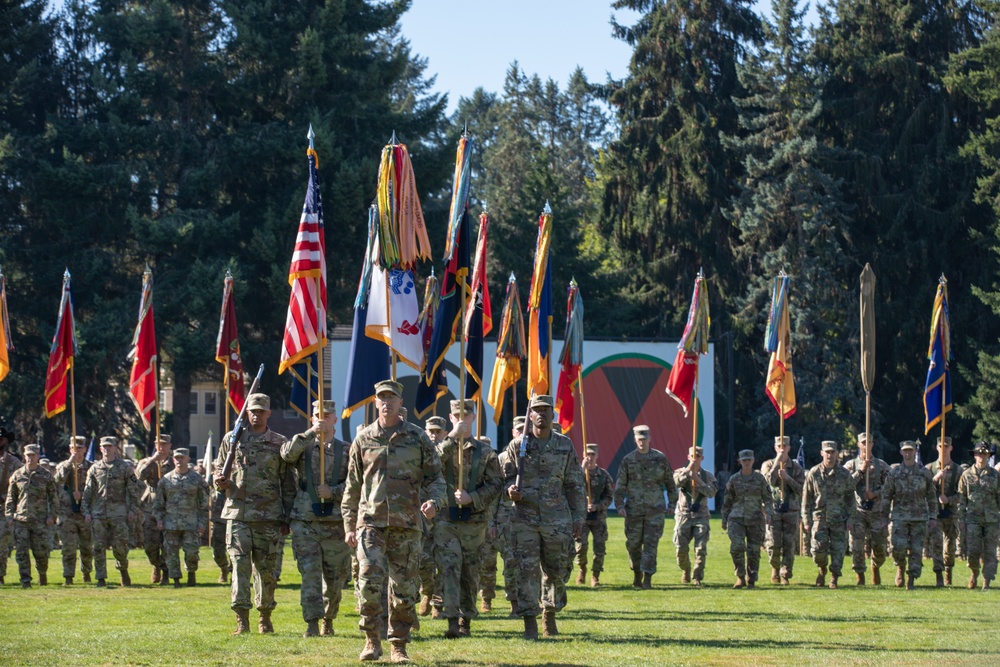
pixel 259 402
pixel 470 406
pixel 180 451
pixel 697 451
pixel 541 401
pixel 45 462
pixel 641 431
pixel 746 455
pixel 485 439
pixel 782 440
pixel 435 423
pixel 829 446
pixel 329 407
pixel 947 441
pixel 390 386
pixel 519 421
pixel 907 444
pixel 109 441
pixel 590 448
pixel 32 449
pixel 78 441
pixel 980 448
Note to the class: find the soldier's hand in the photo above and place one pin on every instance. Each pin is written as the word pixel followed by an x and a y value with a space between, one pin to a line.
pixel 939 475
pixel 429 509
pixel 725 525
pixel 284 529
pixel 221 482
pixel 577 529
pixel 944 500
pixel 459 431
pixel 493 532
pixel 131 517
pixel 808 526
pixel 351 539
pixel 514 494
pixel 77 496
pixel 86 517
pixel 324 491
pixel 463 498
pixel 869 495
pixel 783 474
pixel 865 465
pixel 591 507
pixel 621 512
pixel 933 524
pixel 159 525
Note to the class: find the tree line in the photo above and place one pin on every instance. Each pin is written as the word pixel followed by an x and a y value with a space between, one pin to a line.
pixel 173 134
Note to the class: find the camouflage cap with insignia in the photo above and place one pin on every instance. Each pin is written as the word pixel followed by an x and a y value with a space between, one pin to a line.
pixel 259 402
pixel 698 451
pixel 862 437
pixel 109 441
pixel 390 386
pixel 470 406
pixel 590 448
pixel 782 440
pixel 32 449
pixel 829 446
pixel 947 440
pixel 329 407
pixel 746 455
pixel 540 401
pixel 435 422
pixel 519 421
pixel 907 444
pixel 164 438
pixel 181 451
pixel 641 431
pixel 78 441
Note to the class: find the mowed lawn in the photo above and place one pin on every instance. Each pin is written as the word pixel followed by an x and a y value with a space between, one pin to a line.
pixel 613 625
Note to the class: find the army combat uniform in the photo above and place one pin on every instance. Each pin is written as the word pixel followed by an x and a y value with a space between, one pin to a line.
pixel 75 533
pixel 945 535
pixel 217 539
pixel 782 536
pixel 979 510
pixel 181 507
pixel 33 505
pixel 8 465
pixel 149 472
pixel 691 520
pixel 602 489
pixel 869 531
pixel 745 513
pixel 828 507
pixel 909 495
pixel 109 499
pixel 501 521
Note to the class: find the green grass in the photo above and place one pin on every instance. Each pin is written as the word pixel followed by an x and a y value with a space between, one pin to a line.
pixel 613 625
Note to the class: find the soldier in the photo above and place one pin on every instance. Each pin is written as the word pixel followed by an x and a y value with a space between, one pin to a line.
pixel 460 532
pixel 110 501
pixel 911 500
pixel 785 477
pixel 74 532
pixel 979 510
pixel 260 490
pixel 600 495
pixel 944 538
pixel 503 516
pixel 828 512
pixel 8 464
pixel 695 486
pixel 869 529
pixel 149 471
pixel 393 476
pixel 546 484
pixel 745 514
pixel 180 511
pixel 434 427
pixel 217 538
pixel 642 477
pixel 323 558
pixel 32 506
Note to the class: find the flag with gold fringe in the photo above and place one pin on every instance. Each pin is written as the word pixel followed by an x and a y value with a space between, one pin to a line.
pixel 143 385
pixel 62 353
pixel 571 359
pixel 937 388
pixel 693 343
pixel 540 309
pixel 780 384
pixel 510 350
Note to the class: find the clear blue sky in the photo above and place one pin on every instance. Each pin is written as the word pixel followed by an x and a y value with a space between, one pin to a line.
pixel 471 43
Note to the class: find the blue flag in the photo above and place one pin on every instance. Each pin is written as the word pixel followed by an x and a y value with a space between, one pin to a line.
pixel 937 389
pixel 801 456
pixel 90 450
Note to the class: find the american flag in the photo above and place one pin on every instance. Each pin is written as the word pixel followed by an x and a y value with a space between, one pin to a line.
pixel 305 326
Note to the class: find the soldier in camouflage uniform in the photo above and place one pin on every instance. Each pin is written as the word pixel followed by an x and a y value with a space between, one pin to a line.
pixel 828 512
pixel 217 539
pixel 786 477
pixel 149 471
pixel 695 486
pixel 643 475
pixel 944 538
pixel 110 502
pixel 323 558
pixel 911 500
pixel 546 485
pixel 460 531
pixel 870 528
pixel 601 493
pixel 181 509
pixel 500 523
pixel 746 512
pixel 434 427
pixel 260 490
pixel 8 464
pixel 31 508
pixel 394 475
pixel 74 532
pixel 979 510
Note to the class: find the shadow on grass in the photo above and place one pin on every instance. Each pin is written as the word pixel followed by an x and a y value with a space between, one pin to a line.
pixel 764 644
pixel 718 616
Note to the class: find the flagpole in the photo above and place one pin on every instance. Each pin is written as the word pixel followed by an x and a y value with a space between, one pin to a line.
pixel 320 325
pixel 156 413
pixel 72 412
pixel 583 429
pixel 781 433
pixel 463 338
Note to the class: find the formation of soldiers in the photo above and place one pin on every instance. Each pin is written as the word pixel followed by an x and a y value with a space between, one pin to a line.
pixel 417 517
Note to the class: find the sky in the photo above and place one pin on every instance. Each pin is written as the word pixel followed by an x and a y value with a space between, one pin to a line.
pixel 471 43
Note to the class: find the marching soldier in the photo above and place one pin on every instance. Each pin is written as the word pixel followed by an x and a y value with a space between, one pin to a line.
pixel 393 476
pixel 323 558
pixel 828 512
pixel 110 503
pixel 503 516
pixel 8 465
pixel 149 471
pixel 643 475
pixel 546 484
pixel 217 539
pixel 74 531
pixel 32 506
pixel 459 533
pixel 786 477
pixel 745 514
pixel 979 510
pixel 434 427
pixel 869 530
pixel 260 490
pixel 180 510
pixel 910 497
pixel 695 486
pixel 944 538
pixel 601 494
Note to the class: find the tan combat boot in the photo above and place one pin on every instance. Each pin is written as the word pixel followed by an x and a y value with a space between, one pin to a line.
pixel 43 578
pixel 900 576
pixel 154 576
pixel 685 576
pixel 821 577
pixel 327 629
pixel 974 578
pixel 242 622
pixel 986 583
pixel 126 580
pixel 581 576
pixel 312 629
pixel 740 583
pixel 164 577
pixel 833 581
pixel 595 580
pixel 637 579
pixel 785 581
pixel 372 649
pixel 487 606
pixel 264 626
pixel 549 623
pixel 464 627
pixel 177 582
pixel 876 576
pixel 425 605
pixel 397 652
pixel 860 579
pixel 531 628
pixel 947 576
pixel 775 576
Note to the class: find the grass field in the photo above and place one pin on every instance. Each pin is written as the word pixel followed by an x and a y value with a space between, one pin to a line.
pixel 613 625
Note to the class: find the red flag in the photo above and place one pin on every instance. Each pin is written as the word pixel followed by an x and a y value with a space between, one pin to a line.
pixel 680 384
pixel 571 359
pixel 5 342
pixel 227 348
pixel 142 381
pixel 694 342
pixel 61 355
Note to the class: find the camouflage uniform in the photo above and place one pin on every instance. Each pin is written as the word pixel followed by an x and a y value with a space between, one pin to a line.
pixel 258 502
pixel 691 519
pixel 541 527
pixel 181 506
pixel 391 472
pixel 828 504
pixel 109 497
pixel 8 465
pixel 745 512
pixel 642 479
pixel 602 489
pixel 944 536
pixel 322 556
pixel 74 531
pixel 33 505
pixel 909 495
pixel 782 536
pixel 149 474
pixel 869 530
pixel 502 514
pixel 979 510
pixel 218 537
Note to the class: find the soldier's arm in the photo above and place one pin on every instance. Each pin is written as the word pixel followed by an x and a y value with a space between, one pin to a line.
pixel 607 491
pixel 932 496
pixel 291 450
pixel 11 505
pixel 352 489
pixel 144 469
pixel 671 487
pixel 337 490
pixel 807 500
pixel 771 471
pixel 621 486
pixel 484 495
pixel 132 493
pixel 286 477
pixel 53 499
pixel 509 467
pixel 433 486
pixel 203 499
pixel 681 477
pixel 727 501
pixel 963 498
pixel 160 504
pixel 765 499
pixel 88 493
pixel 797 477
pixel 709 486
pixel 62 473
pixel 573 482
